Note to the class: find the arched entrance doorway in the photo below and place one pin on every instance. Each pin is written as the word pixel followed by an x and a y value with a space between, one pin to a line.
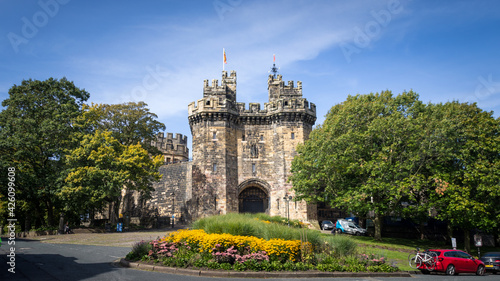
pixel 253 200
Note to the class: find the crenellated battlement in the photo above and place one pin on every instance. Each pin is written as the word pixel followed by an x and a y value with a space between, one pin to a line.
pixel 173 149
pixel 281 105
pixel 277 88
pixel 212 104
pixel 218 101
pixel 227 87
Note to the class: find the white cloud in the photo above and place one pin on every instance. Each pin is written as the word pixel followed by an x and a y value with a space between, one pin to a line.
pixel 187 52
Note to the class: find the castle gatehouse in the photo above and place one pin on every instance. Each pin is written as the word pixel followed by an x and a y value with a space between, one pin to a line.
pixel 241 156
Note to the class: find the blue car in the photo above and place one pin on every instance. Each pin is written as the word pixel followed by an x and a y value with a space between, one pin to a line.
pixel 349 227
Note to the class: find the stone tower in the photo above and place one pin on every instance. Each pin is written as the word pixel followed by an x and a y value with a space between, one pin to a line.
pixel 242 156
pixel 174 149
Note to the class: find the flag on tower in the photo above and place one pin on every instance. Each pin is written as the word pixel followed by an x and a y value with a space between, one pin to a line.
pixel 224 58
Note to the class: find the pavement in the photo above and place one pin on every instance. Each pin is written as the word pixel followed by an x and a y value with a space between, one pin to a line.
pixel 113 239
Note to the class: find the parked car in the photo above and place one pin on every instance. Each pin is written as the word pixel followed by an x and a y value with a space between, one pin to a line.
pixel 349 227
pixel 491 261
pixel 325 225
pixel 453 262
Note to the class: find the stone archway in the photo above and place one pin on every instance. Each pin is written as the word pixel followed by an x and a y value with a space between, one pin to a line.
pixel 253 196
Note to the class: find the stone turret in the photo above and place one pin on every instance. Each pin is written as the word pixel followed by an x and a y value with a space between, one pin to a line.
pixel 173 149
pixel 227 88
pixel 278 90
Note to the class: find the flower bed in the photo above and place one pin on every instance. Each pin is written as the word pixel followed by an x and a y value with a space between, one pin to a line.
pixel 276 249
pixel 198 249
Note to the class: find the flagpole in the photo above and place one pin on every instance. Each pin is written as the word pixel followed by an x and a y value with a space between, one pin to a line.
pixel 223 58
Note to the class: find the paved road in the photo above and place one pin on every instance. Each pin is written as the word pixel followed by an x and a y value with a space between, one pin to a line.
pixel 46 261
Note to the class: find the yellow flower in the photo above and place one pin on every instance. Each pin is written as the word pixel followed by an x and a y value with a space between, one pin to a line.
pixel 280 248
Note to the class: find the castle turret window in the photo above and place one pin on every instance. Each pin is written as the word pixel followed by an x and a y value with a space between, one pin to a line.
pixel 214 136
pixel 214 167
pixel 292 136
pixel 253 168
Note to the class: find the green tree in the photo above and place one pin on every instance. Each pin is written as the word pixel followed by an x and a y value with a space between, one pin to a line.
pixel 395 156
pixel 467 190
pixel 35 130
pixel 101 167
pixel 368 156
pixel 129 123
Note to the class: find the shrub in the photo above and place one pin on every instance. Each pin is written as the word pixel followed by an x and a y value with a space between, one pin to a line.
pixel 259 225
pixel 139 250
pixel 382 268
pixel 330 267
pixel 339 245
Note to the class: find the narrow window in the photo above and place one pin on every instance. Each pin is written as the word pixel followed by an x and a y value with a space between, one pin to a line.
pixel 261 137
pixel 214 167
pixel 293 136
pixel 278 202
pixel 243 137
pixel 253 168
pixel 214 135
pixel 208 102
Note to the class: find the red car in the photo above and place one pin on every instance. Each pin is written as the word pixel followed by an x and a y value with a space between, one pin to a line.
pixel 453 262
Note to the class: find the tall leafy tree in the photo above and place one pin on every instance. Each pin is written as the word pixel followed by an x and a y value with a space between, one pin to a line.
pixel 124 127
pixel 467 185
pixel 395 156
pixel 364 158
pixel 129 123
pixel 35 130
pixel 101 167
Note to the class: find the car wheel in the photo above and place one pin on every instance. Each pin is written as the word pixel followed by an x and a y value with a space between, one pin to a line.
pixel 480 270
pixel 358 233
pixel 425 271
pixel 450 270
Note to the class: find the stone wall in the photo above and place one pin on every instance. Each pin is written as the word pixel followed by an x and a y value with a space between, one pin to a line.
pixel 169 195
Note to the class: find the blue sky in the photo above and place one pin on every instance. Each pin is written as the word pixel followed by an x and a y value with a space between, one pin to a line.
pixel 161 51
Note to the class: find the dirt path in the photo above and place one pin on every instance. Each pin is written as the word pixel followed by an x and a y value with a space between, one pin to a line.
pixel 115 239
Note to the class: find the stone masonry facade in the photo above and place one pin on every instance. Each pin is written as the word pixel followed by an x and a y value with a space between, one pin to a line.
pixel 241 156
